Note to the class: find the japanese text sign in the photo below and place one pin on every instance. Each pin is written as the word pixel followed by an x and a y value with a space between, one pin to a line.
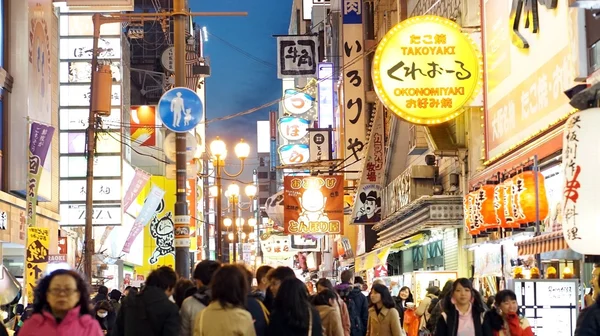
pixel 426 70
pixel 580 166
pixel 313 204
pixel 297 56
pixel 40 137
pixel 137 184
pixel 36 258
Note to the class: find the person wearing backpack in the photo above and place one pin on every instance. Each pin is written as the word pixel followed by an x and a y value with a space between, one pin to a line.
pixel 435 310
pixel 422 310
pixel 203 274
pixel 356 301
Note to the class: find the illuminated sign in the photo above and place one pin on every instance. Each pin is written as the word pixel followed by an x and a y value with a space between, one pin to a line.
pixel 325 88
pixel 293 129
pixel 296 102
pixel 77 119
pixel 81 72
pixel 294 154
pixel 79 95
pixel 74 215
pixel 529 10
pixel 103 190
pixel 104 166
pixel 313 205
pixel 81 48
pixel 425 70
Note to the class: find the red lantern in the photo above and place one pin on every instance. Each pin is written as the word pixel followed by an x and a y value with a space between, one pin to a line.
pixel 488 212
pixel 524 196
pixel 499 204
pixel 470 214
pixel 509 206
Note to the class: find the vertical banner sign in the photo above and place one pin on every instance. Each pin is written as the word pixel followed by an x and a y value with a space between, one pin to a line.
pixel 325 89
pixel 146 213
pixel 313 204
pixel 40 137
pixel 320 144
pixel 36 255
pixel 297 56
pixel 193 207
pixel 273 151
pixel 354 104
pixel 367 205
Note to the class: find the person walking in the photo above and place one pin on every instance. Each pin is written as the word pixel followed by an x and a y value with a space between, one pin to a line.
pixel 504 320
pixel 422 310
pixel 101 295
pixel 293 315
pixel 277 276
pixel 340 305
pixel 258 311
pixel 325 301
pixel 191 306
pixel 383 316
pixel 61 307
pixel 226 314
pixel 151 312
pixel 183 289
pixel 463 312
pixel 262 283
pixel 404 296
pixel 435 312
pixel 357 303
pixel 114 298
pixel 105 315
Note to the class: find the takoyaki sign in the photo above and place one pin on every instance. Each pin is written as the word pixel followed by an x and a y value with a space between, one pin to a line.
pixel 313 204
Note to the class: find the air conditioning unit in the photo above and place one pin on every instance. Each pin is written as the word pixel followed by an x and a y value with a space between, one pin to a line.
pixel 417 141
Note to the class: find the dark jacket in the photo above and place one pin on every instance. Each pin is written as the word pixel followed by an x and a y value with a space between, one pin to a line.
pixel 107 323
pixel 149 313
pixel 253 306
pixel 400 308
pixel 278 326
pixel 99 297
pixel 588 322
pixel 447 324
pixel 358 308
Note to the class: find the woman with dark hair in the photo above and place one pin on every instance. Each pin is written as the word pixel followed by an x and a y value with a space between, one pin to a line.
pixel 226 314
pixel 61 307
pixel 340 305
pixel 436 309
pixel 181 290
pixel 105 316
pixel 504 320
pixel 325 301
pixel 404 296
pixel 383 316
pixel 293 315
pixel 102 295
pixel 463 312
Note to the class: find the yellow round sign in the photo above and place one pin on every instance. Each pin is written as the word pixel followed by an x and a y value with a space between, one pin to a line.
pixel 425 70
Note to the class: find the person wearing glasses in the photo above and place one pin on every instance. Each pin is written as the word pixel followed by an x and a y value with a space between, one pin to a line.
pixel 61 308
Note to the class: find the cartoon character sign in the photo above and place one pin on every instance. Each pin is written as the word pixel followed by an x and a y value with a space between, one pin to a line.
pixel 313 207
pixel 370 208
pixel 162 231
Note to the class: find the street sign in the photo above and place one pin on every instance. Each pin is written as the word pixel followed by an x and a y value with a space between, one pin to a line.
pixel 180 109
pixel 191 145
pixel 167 59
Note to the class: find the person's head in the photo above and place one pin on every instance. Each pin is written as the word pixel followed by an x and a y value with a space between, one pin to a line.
pixel 595 282
pixel 61 291
pixel 489 301
pixel 102 309
pixel 380 295
pixel 292 301
pixel 506 302
pixel 181 290
pixel 463 294
pixel 126 291
pixel 115 294
pixel 324 284
pixel 325 297
pixel 277 276
pixel 133 290
pixel 405 294
pixel 447 289
pixel 261 277
pixel 103 290
pixel 347 276
pixel 164 278
pixel 204 272
pixel 230 286
pixel 358 280
pixel 433 290
pixel 378 282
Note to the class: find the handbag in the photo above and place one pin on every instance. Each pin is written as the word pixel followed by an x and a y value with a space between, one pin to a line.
pixel 424 331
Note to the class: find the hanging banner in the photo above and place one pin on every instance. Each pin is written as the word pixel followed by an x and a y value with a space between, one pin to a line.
pixel 354 104
pixel 319 143
pixel 313 204
pixel 137 184
pixel 40 138
pixel 326 95
pixel 145 215
pixel 367 206
pixel 297 56
pixel 36 255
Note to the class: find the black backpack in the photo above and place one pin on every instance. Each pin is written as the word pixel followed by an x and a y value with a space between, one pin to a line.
pixel 353 310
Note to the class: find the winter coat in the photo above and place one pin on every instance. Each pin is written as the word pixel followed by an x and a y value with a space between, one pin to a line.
pixel 400 308
pixel 358 308
pixel 116 305
pixel 447 325
pixel 343 311
pixel 73 324
pixel 330 320
pixel 148 313
pixel 386 323
pixel 191 306
pixel 259 313
pixel 279 327
pixel 588 322
pixel 215 320
pixel 423 310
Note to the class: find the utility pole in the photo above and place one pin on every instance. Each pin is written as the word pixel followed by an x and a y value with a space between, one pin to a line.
pixel 180 13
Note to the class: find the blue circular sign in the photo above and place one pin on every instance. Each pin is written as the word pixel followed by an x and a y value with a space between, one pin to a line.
pixel 180 109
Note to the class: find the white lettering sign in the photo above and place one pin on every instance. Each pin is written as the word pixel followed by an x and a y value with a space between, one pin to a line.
pixel 74 215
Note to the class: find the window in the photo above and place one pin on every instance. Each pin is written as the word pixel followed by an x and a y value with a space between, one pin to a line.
pixel 264 187
pixel 263 175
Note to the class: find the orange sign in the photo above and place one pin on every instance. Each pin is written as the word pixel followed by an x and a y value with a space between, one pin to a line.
pixel 313 204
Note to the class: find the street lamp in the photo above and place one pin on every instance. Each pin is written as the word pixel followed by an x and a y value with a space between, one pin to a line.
pixel 218 150
pixel 233 195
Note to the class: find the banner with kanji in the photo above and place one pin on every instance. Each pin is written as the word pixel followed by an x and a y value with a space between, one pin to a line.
pixel 40 138
pixel 36 258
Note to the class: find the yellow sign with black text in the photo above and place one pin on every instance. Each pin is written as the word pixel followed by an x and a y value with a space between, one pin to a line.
pixel 36 258
pixel 426 70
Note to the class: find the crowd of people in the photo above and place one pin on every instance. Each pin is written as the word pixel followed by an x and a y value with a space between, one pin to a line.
pixel 221 301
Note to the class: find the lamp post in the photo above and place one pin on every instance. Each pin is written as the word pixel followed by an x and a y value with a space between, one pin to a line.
pixel 218 150
pixel 233 194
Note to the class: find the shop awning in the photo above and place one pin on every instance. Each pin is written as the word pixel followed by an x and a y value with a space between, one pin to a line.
pixel 543 243
pixel 372 259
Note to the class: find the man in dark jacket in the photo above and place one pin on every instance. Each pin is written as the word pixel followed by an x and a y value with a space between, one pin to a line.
pixel 151 312
pixel 588 322
pixel 356 301
pixel 102 295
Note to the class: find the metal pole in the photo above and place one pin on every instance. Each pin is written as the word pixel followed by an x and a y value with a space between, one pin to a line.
pixel 536 168
pixel 234 204
pixel 206 221
pixel 218 220
pixel 91 150
pixel 182 218
pixel 256 202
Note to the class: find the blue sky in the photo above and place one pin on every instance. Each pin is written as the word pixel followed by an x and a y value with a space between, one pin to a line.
pixel 241 80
